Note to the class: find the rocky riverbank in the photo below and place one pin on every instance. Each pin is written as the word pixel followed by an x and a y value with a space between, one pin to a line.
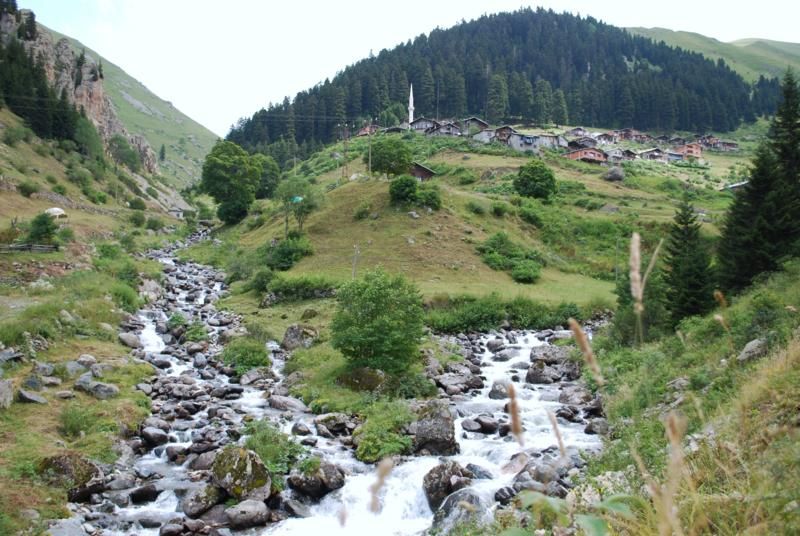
pixel 185 470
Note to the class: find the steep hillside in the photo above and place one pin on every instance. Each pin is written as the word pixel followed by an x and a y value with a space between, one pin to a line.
pixel 144 113
pixel 751 58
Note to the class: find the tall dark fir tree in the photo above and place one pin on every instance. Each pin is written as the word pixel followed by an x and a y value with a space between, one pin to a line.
pixel 688 274
pixel 762 227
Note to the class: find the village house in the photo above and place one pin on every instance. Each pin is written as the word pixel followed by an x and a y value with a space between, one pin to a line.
pixel 726 145
pixel 473 123
pixel 620 155
pixel 502 134
pixel 420 171
pixel 674 157
pixel 367 130
pixel 662 139
pixel 607 137
pixel 577 132
pixel 653 154
pixel 445 129
pixel 690 150
pixel 551 141
pixel 423 124
pixel 582 143
pixel 522 142
pixel 591 155
pixel 176 212
pixel 677 141
pixel 484 136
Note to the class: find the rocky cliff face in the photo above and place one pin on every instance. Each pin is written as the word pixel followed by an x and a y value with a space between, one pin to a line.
pixel 61 66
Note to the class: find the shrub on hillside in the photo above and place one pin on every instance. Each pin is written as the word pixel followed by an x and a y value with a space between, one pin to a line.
pixel 526 271
pixel 14 135
pixel 476 208
pixel 362 211
pixel 27 188
pixel 260 280
pixel 287 252
pixel 276 449
pixel 60 189
pixel 42 230
pixel 154 224
pixel 378 322
pixel 304 287
pixel 244 354
pixel 403 190
pixel 137 219
pixel 535 179
pixel 529 214
pixel 137 204
pixel 429 196
pixel 499 209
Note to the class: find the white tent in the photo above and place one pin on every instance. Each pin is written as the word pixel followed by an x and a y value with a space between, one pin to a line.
pixel 56 212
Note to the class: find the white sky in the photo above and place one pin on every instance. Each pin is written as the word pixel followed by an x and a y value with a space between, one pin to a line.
pixel 220 60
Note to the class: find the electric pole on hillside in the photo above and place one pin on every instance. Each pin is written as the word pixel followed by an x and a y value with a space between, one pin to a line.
pixel 346 136
pixel 369 147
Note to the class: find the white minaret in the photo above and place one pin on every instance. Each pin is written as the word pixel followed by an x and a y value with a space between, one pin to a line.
pixel 410 105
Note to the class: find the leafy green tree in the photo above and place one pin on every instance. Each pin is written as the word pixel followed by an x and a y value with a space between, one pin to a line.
pixel 122 152
pixel 403 190
pixel 43 229
pixel 270 174
pixel 299 199
pixel 230 176
pixel 535 179
pixel 762 226
pixel 497 102
pixel 87 138
pixel 688 275
pixel 390 155
pixel 378 322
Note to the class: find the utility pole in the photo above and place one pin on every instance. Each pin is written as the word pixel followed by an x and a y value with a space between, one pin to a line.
pixel 356 254
pixel 369 150
pixel 346 136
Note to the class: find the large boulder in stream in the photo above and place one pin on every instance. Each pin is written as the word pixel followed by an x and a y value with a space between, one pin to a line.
pixel 131 340
pixel 459 507
pixel 241 473
pixel 72 470
pixel 434 430
pixel 199 501
pixel 443 480
pixel 319 483
pixel 247 514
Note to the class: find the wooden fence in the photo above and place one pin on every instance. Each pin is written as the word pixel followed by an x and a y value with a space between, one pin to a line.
pixel 34 248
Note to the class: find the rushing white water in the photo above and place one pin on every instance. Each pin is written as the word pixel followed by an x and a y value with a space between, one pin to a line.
pixel 404 509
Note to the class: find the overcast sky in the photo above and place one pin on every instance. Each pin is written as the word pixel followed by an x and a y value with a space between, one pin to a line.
pixel 220 60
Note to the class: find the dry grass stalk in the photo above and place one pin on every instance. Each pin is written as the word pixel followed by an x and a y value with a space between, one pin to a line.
pixel 651 265
pixel 681 337
pixel 635 265
pixel 557 431
pixel 342 516
pixel 384 468
pixel 516 420
pixel 676 429
pixel 586 348
pixel 719 297
pixel 727 328
pixel 469 507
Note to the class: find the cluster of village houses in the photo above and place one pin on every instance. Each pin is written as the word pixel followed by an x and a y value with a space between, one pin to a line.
pixel 578 143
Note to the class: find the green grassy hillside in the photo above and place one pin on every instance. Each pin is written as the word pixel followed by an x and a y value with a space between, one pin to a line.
pixel 749 57
pixel 142 112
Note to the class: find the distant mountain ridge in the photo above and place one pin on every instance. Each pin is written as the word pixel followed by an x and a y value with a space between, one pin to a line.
pixel 142 112
pixel 751 57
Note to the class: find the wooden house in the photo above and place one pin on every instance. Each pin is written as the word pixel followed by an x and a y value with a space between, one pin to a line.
pixel 502 134
pixel 677 140
pixel 607 137
pixel 590 154
pixel 726 145
pixel 473 123
pixel 420 171
pixel 577 132
pixel 582 143
pixel 690 150
pixel 484 136
pixel 445 129
pixel 674 157
pixel 522 142
pixel 367 130
pixel 653 154
pixel 423 124
pixel 619 155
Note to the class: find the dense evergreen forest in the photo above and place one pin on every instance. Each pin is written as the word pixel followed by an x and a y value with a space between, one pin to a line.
pixel 24 89
pixel 528 65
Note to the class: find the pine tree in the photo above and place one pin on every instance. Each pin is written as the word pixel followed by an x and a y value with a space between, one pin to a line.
pixel 162 153
pixel 560 114
pixel 688 276
pixel 497 103
pixel 761 227
pixel 542 101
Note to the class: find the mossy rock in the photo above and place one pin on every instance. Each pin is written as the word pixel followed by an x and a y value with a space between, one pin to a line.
pixel 68 470
pixel 241 473
pixel 363 379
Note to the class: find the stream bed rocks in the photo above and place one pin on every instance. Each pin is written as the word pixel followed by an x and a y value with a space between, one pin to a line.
pixel 186 470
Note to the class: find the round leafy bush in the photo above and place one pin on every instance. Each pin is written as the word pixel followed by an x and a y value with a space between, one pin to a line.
pixel 403 190
pixel 244 354
pixel 429 196
pixel 535 179
pixel 526 272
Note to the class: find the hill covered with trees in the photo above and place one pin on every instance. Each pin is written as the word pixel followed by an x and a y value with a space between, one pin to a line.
pixel 528 65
